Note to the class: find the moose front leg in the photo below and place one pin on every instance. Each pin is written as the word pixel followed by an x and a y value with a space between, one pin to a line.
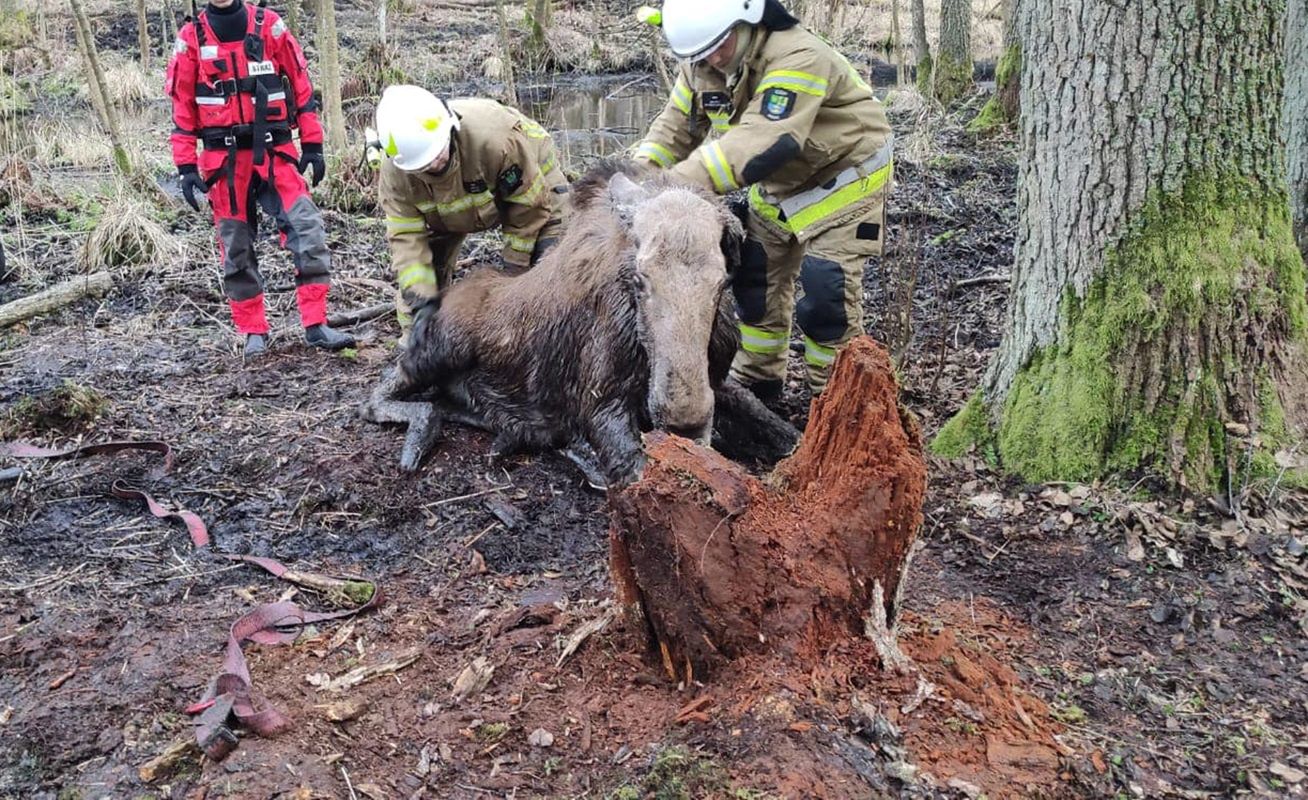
pixel 614 435
pixel 422 418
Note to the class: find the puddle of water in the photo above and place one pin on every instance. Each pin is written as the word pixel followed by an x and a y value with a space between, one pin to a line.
pixel 595 119
pixel 598 118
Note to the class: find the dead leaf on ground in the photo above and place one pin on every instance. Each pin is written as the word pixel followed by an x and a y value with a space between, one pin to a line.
pixel 1287 773
pixel 474 677
pixel 1134 547
pixel 345 710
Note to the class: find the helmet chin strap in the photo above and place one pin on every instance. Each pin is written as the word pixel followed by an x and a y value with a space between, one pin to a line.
pixel 744 38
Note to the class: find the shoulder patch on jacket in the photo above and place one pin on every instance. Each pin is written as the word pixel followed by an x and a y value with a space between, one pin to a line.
pixel 778 103
pixel 278 28
pixel 511 179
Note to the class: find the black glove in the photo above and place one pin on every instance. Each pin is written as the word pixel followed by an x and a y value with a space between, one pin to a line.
pixel 191 181
pixel 311 156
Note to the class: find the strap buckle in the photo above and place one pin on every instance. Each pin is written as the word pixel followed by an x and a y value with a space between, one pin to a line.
pixel 229 140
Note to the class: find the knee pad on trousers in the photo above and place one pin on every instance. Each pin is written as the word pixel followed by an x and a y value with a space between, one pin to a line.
pixel 750 283
pixel 306 238
pixel 821 311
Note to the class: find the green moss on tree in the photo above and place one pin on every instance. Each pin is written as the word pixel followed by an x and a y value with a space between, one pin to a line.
pixel 998 110
pixel 968 429
pixel 1195 267
pixel 924 76
pixel 951 78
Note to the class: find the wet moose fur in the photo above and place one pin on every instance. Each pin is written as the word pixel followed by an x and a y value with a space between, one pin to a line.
pixel 624 326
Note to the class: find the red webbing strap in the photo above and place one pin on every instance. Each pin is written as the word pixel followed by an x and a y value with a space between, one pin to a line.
pixel 25 450
pixel 194 525
pixel 230 693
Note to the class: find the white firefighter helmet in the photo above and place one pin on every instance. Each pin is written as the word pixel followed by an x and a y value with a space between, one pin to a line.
pixel 414 126
pixel 695 28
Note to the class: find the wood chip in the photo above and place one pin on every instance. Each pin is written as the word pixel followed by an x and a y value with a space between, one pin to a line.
pixel 582 633
pixel 474 678
pixel 166 761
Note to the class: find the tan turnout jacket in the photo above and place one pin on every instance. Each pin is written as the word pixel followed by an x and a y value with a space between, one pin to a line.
pixel 796 116
pixel 502 171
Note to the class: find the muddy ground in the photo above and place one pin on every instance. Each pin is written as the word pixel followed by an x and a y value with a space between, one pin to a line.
pixel 1070 640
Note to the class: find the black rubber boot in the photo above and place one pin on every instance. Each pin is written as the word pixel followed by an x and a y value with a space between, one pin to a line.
pixel 767 391
pixel 326 338
pixel 256 344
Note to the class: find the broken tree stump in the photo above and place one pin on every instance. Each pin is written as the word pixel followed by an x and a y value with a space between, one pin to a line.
pixel 719 563
pixel 57 296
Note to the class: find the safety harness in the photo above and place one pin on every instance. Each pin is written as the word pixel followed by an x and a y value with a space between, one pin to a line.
pixel 260 133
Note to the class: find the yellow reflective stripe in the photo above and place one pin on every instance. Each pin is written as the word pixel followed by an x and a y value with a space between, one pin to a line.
pixel 681 97
pixel 765 209
pixel 427 206
pixel 533 130
pixel 548 166
pixel 719 169
pixel 466 202
pixel 846 195
pixel 819 355
pixel 757 340
pixel 721 122
pixel 405 320
pixel 519 243
pixel 415 274
pixel 797 81
pixel 405 224
pixel 528 196
pixel 657 153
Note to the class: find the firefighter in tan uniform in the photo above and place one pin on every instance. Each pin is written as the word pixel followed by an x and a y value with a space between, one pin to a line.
pixel 760 102
pixel 456 168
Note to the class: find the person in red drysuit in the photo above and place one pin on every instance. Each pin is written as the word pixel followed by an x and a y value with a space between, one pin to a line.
pixel 239 86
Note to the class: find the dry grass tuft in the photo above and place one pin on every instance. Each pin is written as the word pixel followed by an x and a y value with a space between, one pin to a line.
pixel 127 236
pixel 128 84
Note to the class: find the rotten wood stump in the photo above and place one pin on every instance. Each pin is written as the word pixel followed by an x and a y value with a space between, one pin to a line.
pixel 718 563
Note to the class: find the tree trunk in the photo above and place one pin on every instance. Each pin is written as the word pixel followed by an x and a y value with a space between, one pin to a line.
pixel 95 79
pixel 1296 116
pixel 897 42
pixel 293 11
pixel 541 13
pixel 506 53
pixel 952 74
pixel 722 564
pixel 330 66
pixel 1157 293
pixel 921 49
pixel 143 34
pixel 1003 106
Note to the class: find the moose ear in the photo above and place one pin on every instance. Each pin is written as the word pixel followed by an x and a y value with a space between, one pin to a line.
pixel 626 195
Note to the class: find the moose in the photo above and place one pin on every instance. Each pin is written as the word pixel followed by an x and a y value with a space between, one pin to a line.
pixel 625 326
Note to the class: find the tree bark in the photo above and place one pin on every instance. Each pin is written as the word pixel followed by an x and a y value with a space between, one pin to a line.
pixel 897 42
pixel 720 564
pixel 1004 105
pixel 143 34
pixel 95 78
pixel 330 65
pixel 1157 293
pixel 56 296
pixel 921 48
pixel 1295 116
pixel 294 14
pixel 952 73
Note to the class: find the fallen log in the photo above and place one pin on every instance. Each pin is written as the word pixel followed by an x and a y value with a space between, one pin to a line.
pixel 354 316
pixel 718 563
pixel 56 296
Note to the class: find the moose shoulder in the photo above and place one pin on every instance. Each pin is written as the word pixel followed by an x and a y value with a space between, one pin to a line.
pixel 626 325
